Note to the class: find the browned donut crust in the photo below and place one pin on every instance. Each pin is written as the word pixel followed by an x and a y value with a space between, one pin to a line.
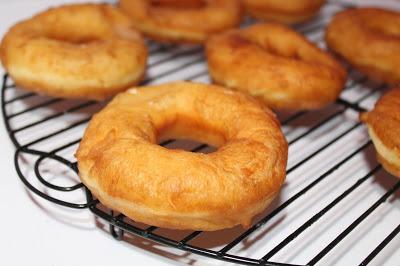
pixel 275 64
pixel 75 51
pixel 120 162
pixel 288 12
pixel 384 129
pixel 182 21
pixel 369 38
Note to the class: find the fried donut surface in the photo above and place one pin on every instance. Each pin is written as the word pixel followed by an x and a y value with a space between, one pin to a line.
pixel 287 12
pixel 368 38
pixel 121 163
pixel 75 51
pixel 182 21
pixel 384 129
pixel 275 64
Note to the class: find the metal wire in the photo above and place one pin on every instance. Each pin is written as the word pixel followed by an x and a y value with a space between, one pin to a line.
pixel 118 223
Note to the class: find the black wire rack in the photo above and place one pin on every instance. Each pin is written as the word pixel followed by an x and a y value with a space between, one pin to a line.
pixel 26 116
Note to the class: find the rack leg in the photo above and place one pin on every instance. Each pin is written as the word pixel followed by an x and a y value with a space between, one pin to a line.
pixel 117 233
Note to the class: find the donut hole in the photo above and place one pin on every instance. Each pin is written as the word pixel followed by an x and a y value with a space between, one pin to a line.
pixel 386 24
pixel 78 40
pixel 74 34
pixel 70 33
pixel 386 29
pixel 287 52
pixel 75 26
pixel 290 50
pixel 186 129
pixel 281 49
pixel 184 4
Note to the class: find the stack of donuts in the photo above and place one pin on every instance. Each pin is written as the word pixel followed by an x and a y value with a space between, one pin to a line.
pixel 66 51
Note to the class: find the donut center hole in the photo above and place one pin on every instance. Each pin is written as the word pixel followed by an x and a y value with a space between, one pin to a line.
pixel 290 52
pixel 184 4
pixel 189 135
pixel 73 35
pixel 75 40
pixel 279 49
pixel 188 145
pixel 387 29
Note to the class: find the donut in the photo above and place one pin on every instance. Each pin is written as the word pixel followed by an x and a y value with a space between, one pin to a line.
pixel 369 39
pixel 275 64
pixel 288 12
pixel 383 124
pixel 180 21
pixel 75 51
pixel 121 163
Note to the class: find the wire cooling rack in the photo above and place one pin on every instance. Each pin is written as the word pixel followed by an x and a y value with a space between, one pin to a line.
pixel 337 206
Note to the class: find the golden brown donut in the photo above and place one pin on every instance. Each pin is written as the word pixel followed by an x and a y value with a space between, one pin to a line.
pixel 287 12
pixel 120 162
pixel 75 51
pixel 182 21
pixel 369 38
pixel 275 64
pixel 384 129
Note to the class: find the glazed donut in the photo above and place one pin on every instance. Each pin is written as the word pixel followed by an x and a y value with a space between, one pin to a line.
pixel 287 12
pixel 275 64
pixel 368 38
pixel 75 51
pixel 182 21
pixel 384 129
pixel 120 162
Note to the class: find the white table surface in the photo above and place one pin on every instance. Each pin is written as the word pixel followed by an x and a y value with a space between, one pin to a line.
pixel 34 232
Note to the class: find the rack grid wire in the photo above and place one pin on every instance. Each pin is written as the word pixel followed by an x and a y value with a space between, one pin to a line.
pixel 167 62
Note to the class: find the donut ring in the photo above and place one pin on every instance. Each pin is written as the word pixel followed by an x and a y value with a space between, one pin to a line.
pixel 75 51
pixel 275 64
pixel 384 129
pixel 375 43
pixel 120 162
pixel 288 12
pixel 175 21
